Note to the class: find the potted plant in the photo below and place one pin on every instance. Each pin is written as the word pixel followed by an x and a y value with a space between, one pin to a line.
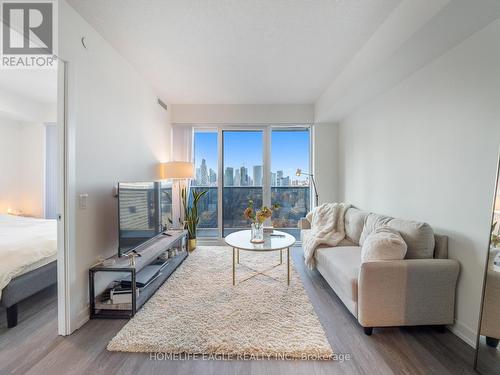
pixel 191 217
pixel 257 219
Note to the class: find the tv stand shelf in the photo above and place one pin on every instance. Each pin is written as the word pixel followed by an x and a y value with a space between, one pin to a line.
pixel 100 304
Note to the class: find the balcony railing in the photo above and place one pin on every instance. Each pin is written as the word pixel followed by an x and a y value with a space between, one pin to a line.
pixel 294 204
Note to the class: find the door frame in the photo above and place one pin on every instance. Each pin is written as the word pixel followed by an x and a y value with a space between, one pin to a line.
pixel 63 222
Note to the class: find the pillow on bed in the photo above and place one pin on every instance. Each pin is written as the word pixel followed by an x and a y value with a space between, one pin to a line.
pixel 383 243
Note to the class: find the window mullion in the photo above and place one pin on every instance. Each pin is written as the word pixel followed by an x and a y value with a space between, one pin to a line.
pixel 266 178
pixel 220 181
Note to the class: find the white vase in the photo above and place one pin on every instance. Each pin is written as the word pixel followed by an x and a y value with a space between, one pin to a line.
pixel 257 233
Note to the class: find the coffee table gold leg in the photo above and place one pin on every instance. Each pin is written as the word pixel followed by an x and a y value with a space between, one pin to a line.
pixel 234 266
pixel 238 256
pixel 288 265
pixel 281 256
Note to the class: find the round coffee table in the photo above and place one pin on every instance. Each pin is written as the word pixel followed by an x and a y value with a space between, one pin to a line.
pixel 275 241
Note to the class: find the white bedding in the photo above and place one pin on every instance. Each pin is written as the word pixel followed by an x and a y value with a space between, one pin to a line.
pixel 25 244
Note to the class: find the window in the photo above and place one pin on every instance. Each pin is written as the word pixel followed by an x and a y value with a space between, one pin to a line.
pixel 257 163
pixel 242 163
pixel 205 159
pixel 289 152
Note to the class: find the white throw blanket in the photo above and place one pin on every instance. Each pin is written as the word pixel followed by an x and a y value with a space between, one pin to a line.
pixel 327 228
pixel 24 242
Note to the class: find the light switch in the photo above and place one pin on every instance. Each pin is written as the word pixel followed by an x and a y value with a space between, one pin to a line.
pixel 83 201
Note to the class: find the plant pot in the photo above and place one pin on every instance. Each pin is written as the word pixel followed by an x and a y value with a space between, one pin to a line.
pixel 192 244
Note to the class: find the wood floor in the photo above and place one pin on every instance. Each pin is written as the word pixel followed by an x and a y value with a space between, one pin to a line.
pixel 33 347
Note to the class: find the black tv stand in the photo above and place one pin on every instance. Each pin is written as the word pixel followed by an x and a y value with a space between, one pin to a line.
pixel 100 302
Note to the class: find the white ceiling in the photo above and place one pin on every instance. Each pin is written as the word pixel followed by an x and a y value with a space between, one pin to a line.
pixel 415 34
pixel 237 51
pixel 39 85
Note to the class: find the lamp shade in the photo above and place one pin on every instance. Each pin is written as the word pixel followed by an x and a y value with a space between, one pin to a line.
pixel 177 170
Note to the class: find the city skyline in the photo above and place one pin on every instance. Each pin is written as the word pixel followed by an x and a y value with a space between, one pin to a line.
pixel 243 164
pixel 240 177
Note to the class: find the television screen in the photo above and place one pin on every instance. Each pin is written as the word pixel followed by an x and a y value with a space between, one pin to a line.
pixel 144 209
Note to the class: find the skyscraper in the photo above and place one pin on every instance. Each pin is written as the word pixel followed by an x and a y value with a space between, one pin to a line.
pixel 279 178
pixel 229 176
pixel 257 175
pixel 198 176
pixel 203 173
pixel 212 177
pixel 273 179
pixel 244 176
pixel 237 178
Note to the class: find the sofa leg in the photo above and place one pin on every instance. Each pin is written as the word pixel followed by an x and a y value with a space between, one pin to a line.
pixel 368 330
pixel 441 328
pixel 491 341
pixel 12 316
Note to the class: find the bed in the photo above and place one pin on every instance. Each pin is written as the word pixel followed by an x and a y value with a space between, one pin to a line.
pixel 28 252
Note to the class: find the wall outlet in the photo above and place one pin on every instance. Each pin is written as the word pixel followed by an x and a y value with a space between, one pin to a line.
pixel 83 201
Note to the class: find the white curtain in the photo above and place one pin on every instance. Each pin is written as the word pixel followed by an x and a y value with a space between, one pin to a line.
pixel 181 150
pixel 182 143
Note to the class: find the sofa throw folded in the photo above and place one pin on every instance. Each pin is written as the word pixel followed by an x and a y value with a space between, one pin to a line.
pixel 327 228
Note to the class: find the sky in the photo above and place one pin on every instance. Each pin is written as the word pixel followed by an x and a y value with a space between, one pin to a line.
pixel 289 150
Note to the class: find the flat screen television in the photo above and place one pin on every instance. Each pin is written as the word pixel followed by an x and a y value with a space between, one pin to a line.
pixel 144 209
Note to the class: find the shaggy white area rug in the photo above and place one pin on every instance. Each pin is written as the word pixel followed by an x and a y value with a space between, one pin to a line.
pixel 199 311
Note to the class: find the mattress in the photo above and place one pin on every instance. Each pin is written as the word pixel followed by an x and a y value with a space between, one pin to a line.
pixel 33 266
pixel 25 244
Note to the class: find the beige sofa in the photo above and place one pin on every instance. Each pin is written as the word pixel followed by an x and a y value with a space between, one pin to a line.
pixel 418 290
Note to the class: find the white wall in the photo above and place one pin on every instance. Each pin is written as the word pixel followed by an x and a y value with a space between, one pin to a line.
pixel 21 108
pixel 427 150
pixel 117 132
pixel 242 113
pixel 325 161
pixel 22 147
pixel 9 142
pixel 31 160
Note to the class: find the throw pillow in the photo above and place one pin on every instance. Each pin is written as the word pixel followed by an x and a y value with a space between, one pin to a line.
pixel 383 243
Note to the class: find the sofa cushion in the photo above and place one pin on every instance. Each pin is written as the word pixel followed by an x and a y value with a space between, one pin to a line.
pixel 347 242
pixel 418 236
pixel 340 266
pixel 372 222
pixel 383 243
pixel 354 222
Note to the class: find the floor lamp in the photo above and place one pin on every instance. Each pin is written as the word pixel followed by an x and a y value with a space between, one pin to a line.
pixel 299 173
pixel 177 170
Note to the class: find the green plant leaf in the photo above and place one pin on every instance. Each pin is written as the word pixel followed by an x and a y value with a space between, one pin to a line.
pixel 191 211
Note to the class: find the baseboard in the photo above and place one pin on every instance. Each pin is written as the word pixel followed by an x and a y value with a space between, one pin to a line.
pixel 82 317
pixel 211 242
pixel 464 332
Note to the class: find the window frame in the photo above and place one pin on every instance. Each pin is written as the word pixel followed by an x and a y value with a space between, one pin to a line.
pixel 266 160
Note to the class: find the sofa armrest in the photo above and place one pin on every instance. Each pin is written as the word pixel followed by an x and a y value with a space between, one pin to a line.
pixel 407 292
pixel 304 224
